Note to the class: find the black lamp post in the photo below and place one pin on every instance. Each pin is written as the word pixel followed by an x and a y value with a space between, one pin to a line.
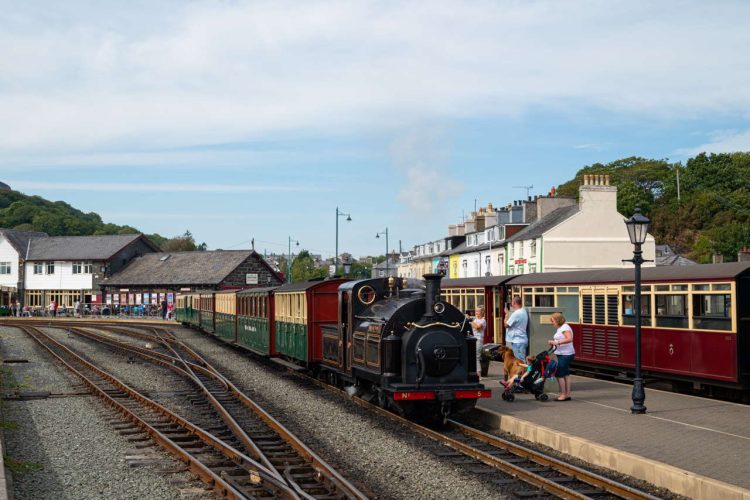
pixel 638 231
pixel 339 213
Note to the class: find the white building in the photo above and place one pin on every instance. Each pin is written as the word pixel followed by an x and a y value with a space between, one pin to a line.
pixel 13 247
pixel 588 235
pixel 36 269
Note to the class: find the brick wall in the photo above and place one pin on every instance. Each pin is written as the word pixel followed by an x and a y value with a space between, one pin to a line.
pixel 252 265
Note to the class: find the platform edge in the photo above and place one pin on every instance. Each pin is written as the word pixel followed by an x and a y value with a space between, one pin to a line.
pixel 657 473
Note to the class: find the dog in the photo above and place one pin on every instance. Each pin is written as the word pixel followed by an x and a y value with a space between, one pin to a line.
pixel 512 366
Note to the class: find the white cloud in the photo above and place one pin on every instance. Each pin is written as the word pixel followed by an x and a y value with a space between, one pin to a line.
pixel 422 156
pixel 725 141
pixel 80 75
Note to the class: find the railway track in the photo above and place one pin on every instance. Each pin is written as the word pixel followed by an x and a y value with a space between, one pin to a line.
pixel 226 470
pixel 526 472
pixel 253 430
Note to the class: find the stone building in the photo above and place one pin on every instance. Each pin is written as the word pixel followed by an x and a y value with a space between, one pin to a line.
pixel 154 277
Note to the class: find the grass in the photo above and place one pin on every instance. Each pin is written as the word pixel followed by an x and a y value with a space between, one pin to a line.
pixel 20 466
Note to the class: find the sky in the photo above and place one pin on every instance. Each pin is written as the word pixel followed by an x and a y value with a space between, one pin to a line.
pixel 241 120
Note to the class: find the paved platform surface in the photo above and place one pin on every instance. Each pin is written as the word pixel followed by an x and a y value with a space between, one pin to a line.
pixel 703 436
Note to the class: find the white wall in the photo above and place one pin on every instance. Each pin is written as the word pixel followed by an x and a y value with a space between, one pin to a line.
pixel 63 279
pixel 9 254
pixel 593 238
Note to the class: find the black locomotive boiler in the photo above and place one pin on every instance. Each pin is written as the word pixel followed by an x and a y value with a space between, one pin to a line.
pixel 398 343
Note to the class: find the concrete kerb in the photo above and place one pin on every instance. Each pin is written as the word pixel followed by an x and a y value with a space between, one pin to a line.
pixel 659 474
pixel 5 477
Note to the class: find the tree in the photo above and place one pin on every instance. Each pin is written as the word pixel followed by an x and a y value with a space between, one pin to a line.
pixel 303 268
pixel 182 243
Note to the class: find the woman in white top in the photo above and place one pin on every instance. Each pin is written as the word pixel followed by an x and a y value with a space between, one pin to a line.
pixel 563 340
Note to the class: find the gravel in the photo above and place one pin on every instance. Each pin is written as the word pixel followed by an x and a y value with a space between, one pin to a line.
pixel 66 445
pixel 390 461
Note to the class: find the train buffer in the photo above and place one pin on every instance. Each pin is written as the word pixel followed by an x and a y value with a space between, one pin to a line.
pixel 693 446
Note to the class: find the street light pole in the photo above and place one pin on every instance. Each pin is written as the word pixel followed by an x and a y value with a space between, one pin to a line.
pixel 336 257
pixel 289 262
pixel 638 231
pixel 387 265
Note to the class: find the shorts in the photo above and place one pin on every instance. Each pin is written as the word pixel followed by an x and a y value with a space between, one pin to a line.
pixel 563 364
pixel 519 350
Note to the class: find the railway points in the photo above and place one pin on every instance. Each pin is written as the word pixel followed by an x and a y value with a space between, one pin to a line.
pixel 693 446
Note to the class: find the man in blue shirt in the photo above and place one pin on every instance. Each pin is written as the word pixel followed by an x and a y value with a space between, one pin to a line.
pixel 516 335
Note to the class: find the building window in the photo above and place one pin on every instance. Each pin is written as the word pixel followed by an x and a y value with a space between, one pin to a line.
pixel 76 268
pixel 50 268
pixel 4 267
pixel 533 248
pixel 38 268
pixel 511 253
pixel 520 250
pixel 88 268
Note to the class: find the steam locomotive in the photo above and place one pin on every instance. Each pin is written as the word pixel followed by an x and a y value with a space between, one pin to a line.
pixel 393 341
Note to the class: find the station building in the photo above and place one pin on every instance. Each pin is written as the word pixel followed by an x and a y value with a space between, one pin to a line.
pixel 41 268
pixel 154 277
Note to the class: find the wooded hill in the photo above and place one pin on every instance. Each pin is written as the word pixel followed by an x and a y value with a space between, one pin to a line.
pixel 57 218
pixel 711 214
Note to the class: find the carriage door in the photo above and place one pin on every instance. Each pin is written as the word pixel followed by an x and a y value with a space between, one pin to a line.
pixel 498 318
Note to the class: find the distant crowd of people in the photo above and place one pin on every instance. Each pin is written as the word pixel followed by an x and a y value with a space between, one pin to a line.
pixel 165 310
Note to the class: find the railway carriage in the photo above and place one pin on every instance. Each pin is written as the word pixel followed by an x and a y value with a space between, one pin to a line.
pixel 206 311
pixel 255 320
pixel 696 319
pixel 225 316
pixel 300 310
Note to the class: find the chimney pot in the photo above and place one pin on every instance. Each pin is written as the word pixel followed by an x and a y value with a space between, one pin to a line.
pixel 529 199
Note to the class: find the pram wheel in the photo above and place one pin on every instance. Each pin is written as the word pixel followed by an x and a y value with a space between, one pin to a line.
pixel 509 396
pixel 543 397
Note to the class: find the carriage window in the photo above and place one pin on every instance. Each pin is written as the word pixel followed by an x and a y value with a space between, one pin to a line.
pixel 628 310
pixel 702 287
pixel 528 300
pixel 572 289
pixel 544 300
pixel 712 312
pixel 679 288
pixel 662 288
pixel 569 306
pixel 671 311
pixel 721 286
pixel 588 309
pixel 612 301
pixel 599 317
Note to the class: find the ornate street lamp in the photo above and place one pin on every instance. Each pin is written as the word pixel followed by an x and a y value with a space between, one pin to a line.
pixel 347 266
pixel 289 262
pixel 336 257
pixel 638 231
pixel 387 267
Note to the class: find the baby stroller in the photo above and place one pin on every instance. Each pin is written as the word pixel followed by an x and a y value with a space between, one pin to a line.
pixel 542 368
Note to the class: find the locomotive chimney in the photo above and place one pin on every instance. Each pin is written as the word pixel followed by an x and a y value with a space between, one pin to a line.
pixel 432 293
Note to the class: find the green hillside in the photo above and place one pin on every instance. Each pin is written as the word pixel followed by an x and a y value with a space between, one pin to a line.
pixel 57 218
pixel 710 215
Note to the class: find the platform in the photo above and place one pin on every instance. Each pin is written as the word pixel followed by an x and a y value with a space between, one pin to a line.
pixel 693 446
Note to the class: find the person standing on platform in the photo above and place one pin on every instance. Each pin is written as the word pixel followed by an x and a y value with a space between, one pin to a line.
pixel 563 342
pixel 517 323
pixel 478 326
pixel 164 309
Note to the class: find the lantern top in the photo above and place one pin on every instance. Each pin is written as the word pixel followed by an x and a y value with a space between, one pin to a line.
pixel 637 227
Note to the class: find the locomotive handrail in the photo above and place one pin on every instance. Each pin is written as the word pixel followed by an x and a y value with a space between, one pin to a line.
pixel 436 323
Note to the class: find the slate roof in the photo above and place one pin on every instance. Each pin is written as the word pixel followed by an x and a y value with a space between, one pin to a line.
pixel 181 268
pixel 674 260
pixel 20 239
pixel 80 247
pixel 541 226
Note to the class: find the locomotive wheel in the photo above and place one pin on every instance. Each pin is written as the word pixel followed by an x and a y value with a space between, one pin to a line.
pixel 543 397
